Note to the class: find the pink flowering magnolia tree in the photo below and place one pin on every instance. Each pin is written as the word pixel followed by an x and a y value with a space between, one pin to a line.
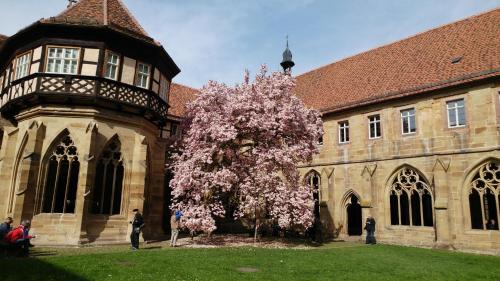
pixel 246 141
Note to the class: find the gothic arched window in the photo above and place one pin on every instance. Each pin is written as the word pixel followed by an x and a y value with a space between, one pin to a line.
pixel 61 178
pixel 484 196
pixel 411 199
pixel 109 181
pixel 313 180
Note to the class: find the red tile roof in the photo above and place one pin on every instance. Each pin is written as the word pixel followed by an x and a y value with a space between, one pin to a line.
pixel 100 12
pixel 414 65
pixel 180 96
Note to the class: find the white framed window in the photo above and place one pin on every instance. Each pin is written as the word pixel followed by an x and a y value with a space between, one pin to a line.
pixel 344 132
pixel 143 72
pixel 408 121
pixel 456 113
pixel 22 64
pixel 112 64
pixel 62 60
pixel 164 88
pixel 374 130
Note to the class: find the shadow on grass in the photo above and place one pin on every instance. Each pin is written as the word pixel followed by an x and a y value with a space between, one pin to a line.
pixel 27 269
pixel 151 248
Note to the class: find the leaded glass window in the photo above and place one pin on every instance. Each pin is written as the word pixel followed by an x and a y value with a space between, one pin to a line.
pixel 61 178
pixel 374 130
pixel 456 113
pixel 62 60
pixel 484 196
pixel 344 132
pixel 411 199
pixel 143 72
pixel 112 64
pixel 109 181
pixel 22 65
pixel 408 121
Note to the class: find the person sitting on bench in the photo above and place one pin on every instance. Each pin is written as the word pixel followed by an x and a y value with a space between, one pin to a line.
pixel 5 227
pixel 18 238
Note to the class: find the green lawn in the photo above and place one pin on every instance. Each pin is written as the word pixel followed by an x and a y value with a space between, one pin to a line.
pixel 335 261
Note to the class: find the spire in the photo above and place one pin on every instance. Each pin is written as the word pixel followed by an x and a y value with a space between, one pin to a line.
pixel 287 62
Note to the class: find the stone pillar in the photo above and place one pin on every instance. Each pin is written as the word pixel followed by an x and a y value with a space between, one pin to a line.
pixel 27 173
pixel 137 180
pixel 153 198
pixel 366 211
pixel 441 202
pixel 7 159
pixel 327 212
pixel 368 203
pixel 88 151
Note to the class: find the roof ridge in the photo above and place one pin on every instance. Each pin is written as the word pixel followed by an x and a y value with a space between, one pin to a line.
pixel 103 12
pixel 400 40
pixel 68 8
pixel 189 87
pixel 136 22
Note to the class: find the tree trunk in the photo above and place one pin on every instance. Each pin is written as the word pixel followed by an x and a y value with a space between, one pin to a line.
pixel 256 213
pixel 255 233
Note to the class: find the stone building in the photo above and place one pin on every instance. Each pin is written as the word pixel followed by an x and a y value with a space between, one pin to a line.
pixel 411 131
pixel 85 115
pixel 412 138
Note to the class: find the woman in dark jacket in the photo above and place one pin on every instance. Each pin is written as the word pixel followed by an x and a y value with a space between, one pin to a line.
pixel 370 231
pixel 137 225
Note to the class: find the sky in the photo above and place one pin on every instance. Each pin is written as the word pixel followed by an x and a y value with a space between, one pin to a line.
pixel 219 39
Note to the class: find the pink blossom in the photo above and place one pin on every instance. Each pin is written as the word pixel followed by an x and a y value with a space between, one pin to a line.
pixel 246 141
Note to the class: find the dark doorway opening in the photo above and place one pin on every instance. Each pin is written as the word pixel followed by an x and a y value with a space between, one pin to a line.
pixel 354 220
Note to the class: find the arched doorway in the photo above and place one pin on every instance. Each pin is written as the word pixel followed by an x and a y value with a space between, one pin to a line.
pixel 354 220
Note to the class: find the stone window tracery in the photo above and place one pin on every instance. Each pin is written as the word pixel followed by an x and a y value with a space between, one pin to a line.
pixel 313 180
pixel 61 179
pixel 484 196
pixel 411 199
pixel 109 181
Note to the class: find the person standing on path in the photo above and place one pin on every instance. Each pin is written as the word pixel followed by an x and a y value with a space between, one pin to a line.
pixel 137 225
pixel 174 225
pixel 370 230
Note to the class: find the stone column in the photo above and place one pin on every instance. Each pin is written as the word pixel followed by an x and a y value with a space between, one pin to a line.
pixel 7 159
pixel 156 190
pixel 366 211
pixel 27 174
pixel 327 212
pixel 137 180
pixel 369 201
pixel 441 202
pixel 87 150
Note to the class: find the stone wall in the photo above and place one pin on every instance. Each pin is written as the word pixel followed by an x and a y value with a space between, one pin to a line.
pixel 26 148
pixel 445 157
